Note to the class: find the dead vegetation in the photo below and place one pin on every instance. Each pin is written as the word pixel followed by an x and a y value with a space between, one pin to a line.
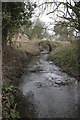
pixel 15 61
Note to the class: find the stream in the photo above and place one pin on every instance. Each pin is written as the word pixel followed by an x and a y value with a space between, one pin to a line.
pixel 47 92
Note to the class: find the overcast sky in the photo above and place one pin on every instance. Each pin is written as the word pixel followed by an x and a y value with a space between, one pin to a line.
pixel 49 20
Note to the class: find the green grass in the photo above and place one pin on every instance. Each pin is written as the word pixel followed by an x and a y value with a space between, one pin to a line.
pixel 66 58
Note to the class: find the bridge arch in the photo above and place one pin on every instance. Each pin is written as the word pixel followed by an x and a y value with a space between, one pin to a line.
pixel 45 46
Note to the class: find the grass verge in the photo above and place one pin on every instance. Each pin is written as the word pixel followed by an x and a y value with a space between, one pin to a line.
pixel 66 57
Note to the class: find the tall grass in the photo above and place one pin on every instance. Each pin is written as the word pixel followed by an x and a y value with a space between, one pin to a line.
pixel 67 59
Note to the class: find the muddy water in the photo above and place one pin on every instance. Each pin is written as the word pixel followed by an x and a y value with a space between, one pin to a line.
pixel 46 92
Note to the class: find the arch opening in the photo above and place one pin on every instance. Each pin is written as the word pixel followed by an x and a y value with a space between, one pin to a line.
pixel 45 47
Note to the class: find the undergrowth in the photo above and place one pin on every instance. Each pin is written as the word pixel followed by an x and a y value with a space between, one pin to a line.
pixel 14 62
pixel 67 59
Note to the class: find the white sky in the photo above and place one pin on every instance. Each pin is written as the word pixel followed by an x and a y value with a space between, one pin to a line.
pixel 40 13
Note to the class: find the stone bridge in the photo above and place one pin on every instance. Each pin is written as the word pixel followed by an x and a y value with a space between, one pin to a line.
pixel 43 45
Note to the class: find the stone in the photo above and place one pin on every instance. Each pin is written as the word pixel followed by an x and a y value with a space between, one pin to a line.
pixel 51 62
